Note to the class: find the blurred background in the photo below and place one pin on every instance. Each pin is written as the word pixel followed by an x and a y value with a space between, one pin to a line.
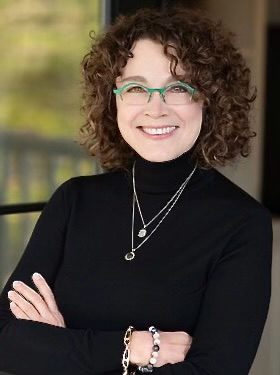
pixel 42 43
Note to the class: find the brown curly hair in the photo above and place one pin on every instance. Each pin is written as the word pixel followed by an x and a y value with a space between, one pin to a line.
pixel 213 65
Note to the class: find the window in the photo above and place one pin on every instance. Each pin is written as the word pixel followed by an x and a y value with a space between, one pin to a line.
pixel 42 44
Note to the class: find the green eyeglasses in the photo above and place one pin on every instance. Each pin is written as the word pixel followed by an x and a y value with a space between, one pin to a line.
pixel 177 93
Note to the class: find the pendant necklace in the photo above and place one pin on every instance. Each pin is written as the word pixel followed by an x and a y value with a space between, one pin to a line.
pixel 131 254
pixel 143 231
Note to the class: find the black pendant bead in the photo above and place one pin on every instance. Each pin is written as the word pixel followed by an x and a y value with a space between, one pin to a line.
pixel 129 256
pixel 155 348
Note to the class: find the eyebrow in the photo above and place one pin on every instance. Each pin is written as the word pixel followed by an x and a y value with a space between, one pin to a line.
pixel 143 79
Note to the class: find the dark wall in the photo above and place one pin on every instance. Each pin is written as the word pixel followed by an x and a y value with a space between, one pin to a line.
pixel 130 6
pixel 126 7
pixel 271 172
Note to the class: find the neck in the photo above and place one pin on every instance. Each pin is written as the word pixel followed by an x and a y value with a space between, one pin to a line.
pixel 164 176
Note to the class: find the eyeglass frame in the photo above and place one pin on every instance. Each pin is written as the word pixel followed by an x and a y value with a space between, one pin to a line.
pixel 161 90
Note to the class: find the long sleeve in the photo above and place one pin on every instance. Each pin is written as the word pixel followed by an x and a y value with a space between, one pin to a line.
pixel 214 284
pixel 28 347
pixel 235 305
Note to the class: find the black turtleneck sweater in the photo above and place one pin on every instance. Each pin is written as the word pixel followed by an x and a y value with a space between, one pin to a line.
pixel 205 271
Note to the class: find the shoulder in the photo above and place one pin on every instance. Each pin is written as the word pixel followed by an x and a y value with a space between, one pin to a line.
pixel 82 192
pixel 97 179
pixel 247 221
pixel 93 183
pixel 229 195
pixel 235 209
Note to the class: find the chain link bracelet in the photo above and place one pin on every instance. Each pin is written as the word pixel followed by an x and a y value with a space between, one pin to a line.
pixel 126 353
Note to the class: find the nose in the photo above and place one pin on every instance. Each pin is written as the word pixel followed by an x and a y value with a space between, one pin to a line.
pixel 156 107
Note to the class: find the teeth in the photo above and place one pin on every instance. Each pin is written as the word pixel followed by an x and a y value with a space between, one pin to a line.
pixel 166 130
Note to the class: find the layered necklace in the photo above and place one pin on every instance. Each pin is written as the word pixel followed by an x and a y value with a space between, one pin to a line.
pixel 143 232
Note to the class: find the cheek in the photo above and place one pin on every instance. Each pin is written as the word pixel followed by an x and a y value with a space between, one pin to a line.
pixel 192 117
pixel 123 121
pixel 119 111
pixel 126 116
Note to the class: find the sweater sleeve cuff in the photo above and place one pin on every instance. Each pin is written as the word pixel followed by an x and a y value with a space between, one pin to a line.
pixel 107 351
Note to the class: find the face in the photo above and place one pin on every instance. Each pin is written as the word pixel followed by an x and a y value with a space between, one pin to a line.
pixel 180 124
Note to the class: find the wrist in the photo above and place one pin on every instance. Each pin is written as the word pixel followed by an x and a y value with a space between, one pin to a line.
pixel 149 367
pixel 140 348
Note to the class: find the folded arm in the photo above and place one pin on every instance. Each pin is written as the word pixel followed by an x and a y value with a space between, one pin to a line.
pixel 235 305
pixel 28 347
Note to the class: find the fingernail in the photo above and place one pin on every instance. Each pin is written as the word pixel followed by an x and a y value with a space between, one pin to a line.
pixel 37 276
pixel 16 283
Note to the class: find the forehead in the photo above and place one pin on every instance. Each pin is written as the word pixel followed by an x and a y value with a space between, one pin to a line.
pixel 149 62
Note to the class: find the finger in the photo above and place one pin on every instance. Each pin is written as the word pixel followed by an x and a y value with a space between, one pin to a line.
pixel 178 337
pixel 186 338
pixel 18 313
pixel 31 296
pixel 45 291
pixel 186 350
pixel 24 305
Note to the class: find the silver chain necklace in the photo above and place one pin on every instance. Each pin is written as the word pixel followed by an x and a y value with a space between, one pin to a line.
pixel 143 231
pixel 131 255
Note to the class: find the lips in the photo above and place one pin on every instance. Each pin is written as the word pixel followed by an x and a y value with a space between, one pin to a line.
pixel 159 132
pixel 159 129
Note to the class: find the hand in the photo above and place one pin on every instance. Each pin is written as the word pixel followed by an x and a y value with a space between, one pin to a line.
pixel 173 347
pixel 29 305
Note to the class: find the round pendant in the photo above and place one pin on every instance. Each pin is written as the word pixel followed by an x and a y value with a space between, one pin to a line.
pixel 142 233
pixel 129 256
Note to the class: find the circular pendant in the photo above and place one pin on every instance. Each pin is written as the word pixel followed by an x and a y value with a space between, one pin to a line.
pixel 129 256
pixel 142 233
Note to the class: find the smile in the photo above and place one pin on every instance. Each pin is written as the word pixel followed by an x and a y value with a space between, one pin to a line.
pixel 160 130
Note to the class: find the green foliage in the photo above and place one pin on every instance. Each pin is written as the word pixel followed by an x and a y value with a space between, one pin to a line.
pixel 42 43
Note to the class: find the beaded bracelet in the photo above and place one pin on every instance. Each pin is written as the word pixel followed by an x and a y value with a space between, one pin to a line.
pixel 153 360
pixel 126 353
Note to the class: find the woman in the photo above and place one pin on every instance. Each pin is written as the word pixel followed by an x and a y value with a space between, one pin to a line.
pixel 163 239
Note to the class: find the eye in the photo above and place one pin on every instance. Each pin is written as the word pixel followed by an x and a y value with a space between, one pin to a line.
pixel 177 89
pixel 135 89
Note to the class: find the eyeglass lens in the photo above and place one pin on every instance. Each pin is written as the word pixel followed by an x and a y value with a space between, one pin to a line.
pixel 177 94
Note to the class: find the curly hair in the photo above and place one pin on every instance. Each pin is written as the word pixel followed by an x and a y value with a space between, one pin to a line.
pixel 213 64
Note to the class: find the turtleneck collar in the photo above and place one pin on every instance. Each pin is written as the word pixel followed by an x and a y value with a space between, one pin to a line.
pixel 167 176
